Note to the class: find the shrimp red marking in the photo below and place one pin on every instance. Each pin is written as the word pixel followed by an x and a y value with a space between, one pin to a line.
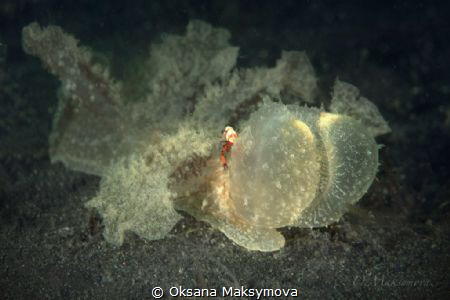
pixel 230 137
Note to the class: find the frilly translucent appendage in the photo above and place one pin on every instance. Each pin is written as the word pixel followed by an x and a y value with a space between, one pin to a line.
pixel 90 122
pixel 346 100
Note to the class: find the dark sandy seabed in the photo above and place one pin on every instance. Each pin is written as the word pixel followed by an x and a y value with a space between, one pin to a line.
pixel 394 244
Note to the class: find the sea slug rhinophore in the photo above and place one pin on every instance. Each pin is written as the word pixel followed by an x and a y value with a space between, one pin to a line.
pixel 154 139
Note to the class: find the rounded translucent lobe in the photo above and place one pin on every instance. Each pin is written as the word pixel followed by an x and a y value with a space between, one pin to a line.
pixel 351 155
pixel 275 169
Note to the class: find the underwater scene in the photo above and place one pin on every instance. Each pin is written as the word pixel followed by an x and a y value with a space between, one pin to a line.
pixel 224 149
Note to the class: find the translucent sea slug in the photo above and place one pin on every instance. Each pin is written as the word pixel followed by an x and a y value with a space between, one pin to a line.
pixel 290 166
pixel 156 146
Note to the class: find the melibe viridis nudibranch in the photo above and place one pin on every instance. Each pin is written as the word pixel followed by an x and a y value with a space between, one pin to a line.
pixel 290 166
pixel 153 139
